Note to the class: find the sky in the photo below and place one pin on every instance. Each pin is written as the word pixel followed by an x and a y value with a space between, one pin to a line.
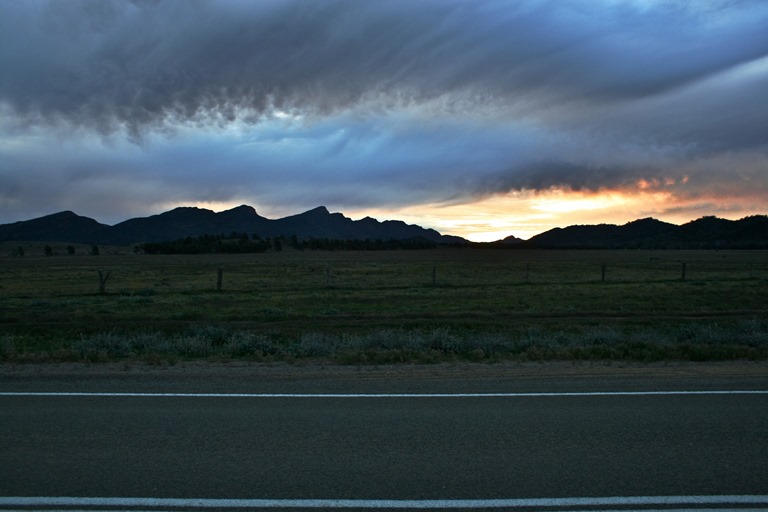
pixel 481 119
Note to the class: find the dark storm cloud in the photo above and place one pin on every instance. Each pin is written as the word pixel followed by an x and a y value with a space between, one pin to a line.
pixel 143 64
pixel 376 103
pixel 549 174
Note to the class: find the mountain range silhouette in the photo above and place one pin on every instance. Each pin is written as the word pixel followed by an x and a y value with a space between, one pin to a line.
pixel 704 233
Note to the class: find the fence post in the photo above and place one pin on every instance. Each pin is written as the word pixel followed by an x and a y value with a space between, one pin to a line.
pixel 103 281
pixel 682 276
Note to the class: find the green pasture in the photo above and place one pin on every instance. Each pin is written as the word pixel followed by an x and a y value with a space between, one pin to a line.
pixel 411 306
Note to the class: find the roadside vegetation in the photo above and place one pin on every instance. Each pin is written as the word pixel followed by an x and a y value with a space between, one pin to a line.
pixel 361 307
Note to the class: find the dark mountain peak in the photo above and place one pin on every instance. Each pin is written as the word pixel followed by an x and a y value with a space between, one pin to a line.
pixel 184 210
pixel 755 221
pixel 320 214
pixel 62 215
pixel 709 220
pixel 319 211
pixel 180 213
pixel 648 221
pixel 706 225
pixel 242 209
pixel 749 232
pixel 66 216
pixel 64 226
pixel 511 239
pixel 368 222
pixel 242 213
pixel 647 227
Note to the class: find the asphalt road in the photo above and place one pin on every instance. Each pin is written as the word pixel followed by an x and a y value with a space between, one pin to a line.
pixel 433 451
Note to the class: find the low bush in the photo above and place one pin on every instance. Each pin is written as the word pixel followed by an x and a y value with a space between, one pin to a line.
pixel 694 341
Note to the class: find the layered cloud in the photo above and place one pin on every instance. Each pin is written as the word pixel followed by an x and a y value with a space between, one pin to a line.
pixel 122 108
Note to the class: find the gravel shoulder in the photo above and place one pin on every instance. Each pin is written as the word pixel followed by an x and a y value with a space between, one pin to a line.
pixel 243 377
pixel 457 370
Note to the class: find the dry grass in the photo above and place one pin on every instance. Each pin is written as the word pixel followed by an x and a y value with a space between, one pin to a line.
pixel 487 305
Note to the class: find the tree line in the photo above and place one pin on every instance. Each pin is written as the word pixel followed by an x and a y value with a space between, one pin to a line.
pixel 233 243
pixel 240 243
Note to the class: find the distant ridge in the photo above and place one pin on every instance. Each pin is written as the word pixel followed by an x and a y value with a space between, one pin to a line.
pixel 185 222
pixel 704 233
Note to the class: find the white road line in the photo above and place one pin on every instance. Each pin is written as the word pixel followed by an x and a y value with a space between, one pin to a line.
pixel 714 508
pixel 380 395
pixel 201 503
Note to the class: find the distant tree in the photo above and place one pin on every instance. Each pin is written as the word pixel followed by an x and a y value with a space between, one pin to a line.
pixel 278 243
pixel 70 250
pixel 94 250
pixel 48 250
pixel 18 252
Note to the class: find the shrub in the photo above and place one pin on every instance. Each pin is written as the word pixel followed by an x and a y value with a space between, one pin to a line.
pixel 7 348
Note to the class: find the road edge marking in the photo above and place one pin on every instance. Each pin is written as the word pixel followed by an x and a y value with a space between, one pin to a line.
pixel 207 503
pixel 377 395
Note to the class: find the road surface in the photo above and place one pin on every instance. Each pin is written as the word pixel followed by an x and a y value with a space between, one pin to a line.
pixel 564 440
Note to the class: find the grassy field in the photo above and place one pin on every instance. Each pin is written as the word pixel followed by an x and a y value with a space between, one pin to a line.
pixel 372 307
